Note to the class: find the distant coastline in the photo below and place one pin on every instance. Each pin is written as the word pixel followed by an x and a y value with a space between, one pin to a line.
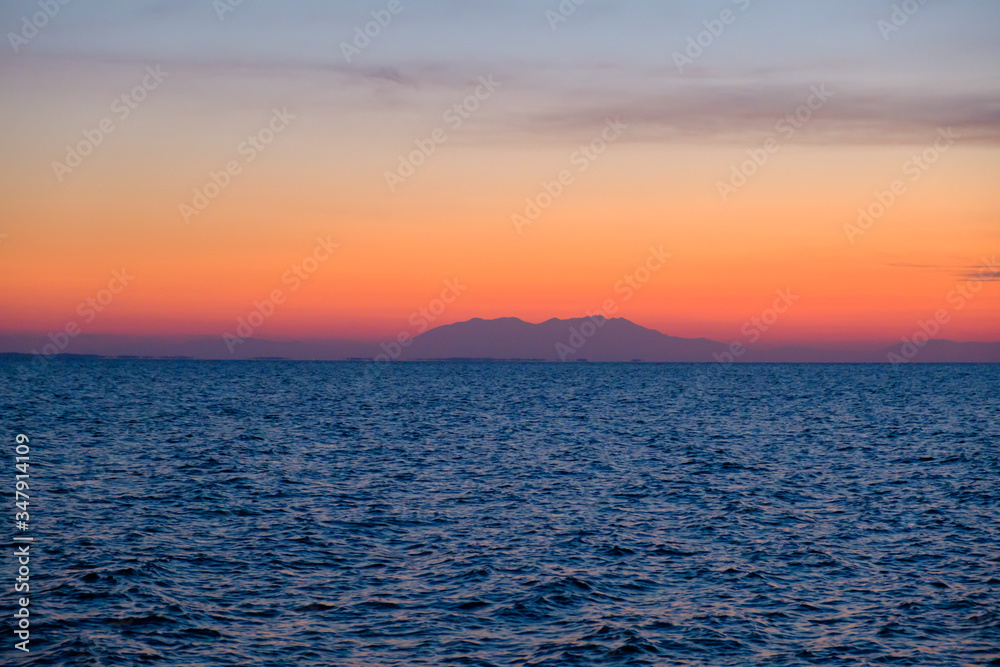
pixel 579 340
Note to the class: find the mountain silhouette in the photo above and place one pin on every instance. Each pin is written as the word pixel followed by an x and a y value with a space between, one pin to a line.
pixel 508 338
pixel 618 339
pixel 585 338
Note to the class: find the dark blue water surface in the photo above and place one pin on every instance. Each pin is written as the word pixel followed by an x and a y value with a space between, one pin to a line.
pixel 284 513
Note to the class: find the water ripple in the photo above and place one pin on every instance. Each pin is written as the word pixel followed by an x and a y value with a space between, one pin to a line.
pixel 273 513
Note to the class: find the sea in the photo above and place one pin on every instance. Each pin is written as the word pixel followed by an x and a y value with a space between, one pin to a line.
pixel 475 513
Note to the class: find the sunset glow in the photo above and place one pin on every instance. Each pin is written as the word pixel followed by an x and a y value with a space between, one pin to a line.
pixel 225 165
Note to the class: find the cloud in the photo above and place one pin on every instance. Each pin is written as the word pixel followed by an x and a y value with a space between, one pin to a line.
pixel 985 273
pixel 564 84
pixel 743 111
pixel 988 271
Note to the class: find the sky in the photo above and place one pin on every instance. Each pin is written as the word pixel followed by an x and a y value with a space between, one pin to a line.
pixel 169 168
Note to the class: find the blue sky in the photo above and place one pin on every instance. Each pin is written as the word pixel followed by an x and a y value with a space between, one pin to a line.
pixel 941 67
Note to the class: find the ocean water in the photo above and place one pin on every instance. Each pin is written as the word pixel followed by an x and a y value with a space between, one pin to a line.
pixel 290 513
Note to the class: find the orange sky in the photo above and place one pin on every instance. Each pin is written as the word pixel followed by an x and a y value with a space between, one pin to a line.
pixel 324 177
